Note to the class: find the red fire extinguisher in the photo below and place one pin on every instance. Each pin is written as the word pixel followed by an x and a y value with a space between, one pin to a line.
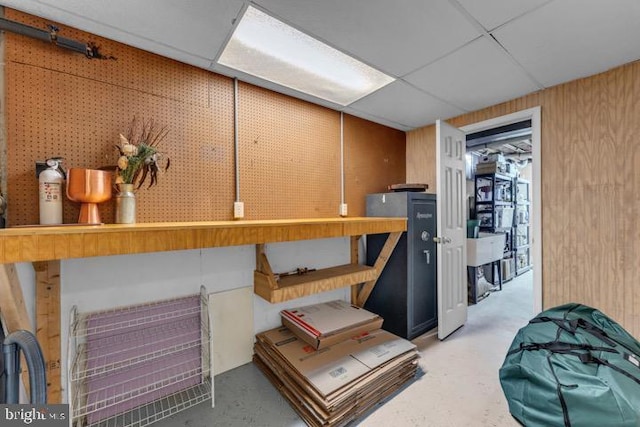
pixel 51 190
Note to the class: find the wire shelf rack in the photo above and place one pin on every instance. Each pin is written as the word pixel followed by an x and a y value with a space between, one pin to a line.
pixel 160 409
pixel 132 366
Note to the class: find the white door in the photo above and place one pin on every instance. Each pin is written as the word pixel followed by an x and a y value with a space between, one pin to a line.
pixel 452 228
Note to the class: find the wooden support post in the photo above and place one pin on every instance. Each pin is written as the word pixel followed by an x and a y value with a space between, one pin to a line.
pixel 381 261
pixel 12 306
pixel 48 323
pixel 355 240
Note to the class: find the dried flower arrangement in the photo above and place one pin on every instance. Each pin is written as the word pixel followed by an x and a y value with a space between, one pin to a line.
pixel 139 155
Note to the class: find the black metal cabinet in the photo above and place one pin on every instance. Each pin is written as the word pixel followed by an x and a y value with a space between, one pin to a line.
pixel 405 294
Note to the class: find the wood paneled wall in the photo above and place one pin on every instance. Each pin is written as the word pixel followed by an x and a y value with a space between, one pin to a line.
pixel 590 188
pixel 59 103
pixel 421 157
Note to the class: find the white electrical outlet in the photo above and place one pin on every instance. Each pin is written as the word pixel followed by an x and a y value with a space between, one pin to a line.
pixel 343 209
pixel 238 210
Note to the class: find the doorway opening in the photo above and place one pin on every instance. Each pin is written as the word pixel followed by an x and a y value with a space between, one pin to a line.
pixel 503 188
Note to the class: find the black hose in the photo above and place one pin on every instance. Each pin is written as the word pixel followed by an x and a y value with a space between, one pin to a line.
pixel 27 342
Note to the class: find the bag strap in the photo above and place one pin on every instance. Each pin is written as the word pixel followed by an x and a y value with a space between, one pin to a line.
pixel 571 326
pixel 560 323
pixel 581 351
pixel 560 347
pixel 602 334
pixel 590 358
pixel 559 385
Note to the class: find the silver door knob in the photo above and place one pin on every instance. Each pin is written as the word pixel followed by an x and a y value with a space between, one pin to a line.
pixel 427 254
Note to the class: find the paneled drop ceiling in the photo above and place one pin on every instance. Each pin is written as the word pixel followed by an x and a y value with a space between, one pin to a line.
pixel 448 56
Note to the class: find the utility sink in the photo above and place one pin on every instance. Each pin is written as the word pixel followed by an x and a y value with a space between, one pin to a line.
pixel 488 247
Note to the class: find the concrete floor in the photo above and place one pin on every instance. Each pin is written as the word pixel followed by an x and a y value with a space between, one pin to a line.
pixel 459 385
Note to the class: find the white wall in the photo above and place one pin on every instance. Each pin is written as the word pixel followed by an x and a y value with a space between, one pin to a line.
pixel 108 282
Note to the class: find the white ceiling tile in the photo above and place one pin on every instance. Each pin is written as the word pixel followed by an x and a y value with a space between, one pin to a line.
pixel 167 27
pixel 478 75
pixel 399 102
pixel 376 119
pixel 493 13
pixel 568 39
pixel 556 42
pixel 396 37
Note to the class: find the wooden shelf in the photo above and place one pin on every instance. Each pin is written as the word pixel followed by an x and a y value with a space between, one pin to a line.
pixel 497 203
pixel 29 244
pixel 323 280
pixel 361 278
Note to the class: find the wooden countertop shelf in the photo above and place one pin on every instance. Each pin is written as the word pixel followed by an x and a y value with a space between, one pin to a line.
pixel 29 244
pixel 314 282
pixel 53 243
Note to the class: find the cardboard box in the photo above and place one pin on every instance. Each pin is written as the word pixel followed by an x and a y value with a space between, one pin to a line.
pixel 333 386
pixel 492 158
pixel 326 324
pixel 331 368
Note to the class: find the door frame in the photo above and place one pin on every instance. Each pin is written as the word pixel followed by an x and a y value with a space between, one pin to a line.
pixel 534 115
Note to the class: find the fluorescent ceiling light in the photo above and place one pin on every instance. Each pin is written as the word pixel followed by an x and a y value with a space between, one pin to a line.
pixel 272 50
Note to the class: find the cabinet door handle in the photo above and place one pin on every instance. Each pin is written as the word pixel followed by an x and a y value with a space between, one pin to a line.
pixel 427 254
pixel 442 240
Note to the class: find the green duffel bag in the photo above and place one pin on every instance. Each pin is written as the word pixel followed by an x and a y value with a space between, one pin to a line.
pixel 573 366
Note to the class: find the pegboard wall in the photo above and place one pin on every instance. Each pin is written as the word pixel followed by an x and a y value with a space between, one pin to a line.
pixel 60 103
pixel 290 153
pixel 374 159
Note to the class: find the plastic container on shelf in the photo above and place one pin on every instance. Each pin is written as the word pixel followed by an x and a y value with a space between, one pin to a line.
pixel 473 228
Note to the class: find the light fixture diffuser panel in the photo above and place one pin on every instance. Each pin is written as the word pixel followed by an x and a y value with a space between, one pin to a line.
pixel 272 50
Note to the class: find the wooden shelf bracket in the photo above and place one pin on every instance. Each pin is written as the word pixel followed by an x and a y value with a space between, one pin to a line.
pixel 379 265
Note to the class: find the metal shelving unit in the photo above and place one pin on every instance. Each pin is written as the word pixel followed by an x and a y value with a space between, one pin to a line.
pixel 494 201
pixel 521 226
pixel 494 206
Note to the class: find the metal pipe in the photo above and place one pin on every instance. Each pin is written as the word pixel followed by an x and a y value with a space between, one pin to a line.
pixel 341 158
pixel 46 36
pixel 235 137
pixel 25 30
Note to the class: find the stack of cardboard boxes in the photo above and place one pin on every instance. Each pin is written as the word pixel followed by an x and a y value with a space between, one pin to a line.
pixel 332 361
pixel 495 163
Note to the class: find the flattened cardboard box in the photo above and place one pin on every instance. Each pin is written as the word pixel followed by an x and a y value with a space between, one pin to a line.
pixel 345 415
pixel 348 401
pixel 342 396
pixel 325 324
pixel 330 368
